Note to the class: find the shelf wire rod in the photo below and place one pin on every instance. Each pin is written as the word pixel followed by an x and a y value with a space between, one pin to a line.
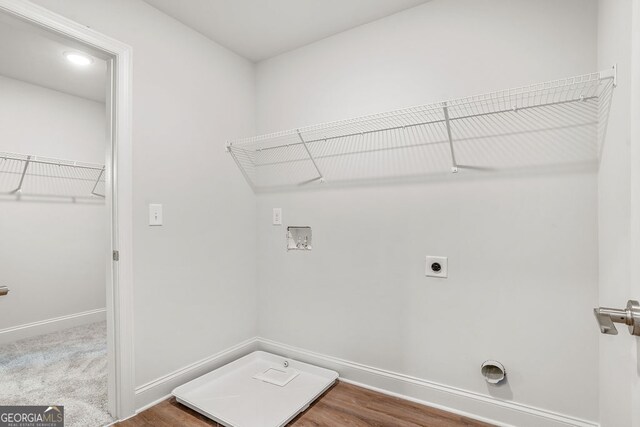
pixel 421 134
pixel 558 117
pixel 436 121
pixel 478 125
pixel 24 172
pixel 489 116
pixel 414 117
pixel 413 138
pixel 568 91
pixel 604 109
pixel 443 140
pixel 353 134
pixel 320 177
pixel 521 126
pixel 33 159
pixel 231 151
pixel 454 165
pixel 470 129
pixel 574 115
pixel 46 174
pixel 472 126
pixel 422 158
pixel 93 190
pixel 555 151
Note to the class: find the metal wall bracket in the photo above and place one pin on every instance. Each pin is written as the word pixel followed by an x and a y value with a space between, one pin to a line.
pixel 304 144
pixel 454 164
pixel 611 73
pixel 24 172
pixel 3 291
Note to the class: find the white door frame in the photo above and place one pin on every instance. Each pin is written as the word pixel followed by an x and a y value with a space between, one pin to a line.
pixel 634 293
pixel 119 194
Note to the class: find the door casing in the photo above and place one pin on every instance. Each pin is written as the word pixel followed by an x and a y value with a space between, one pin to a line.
pixel 118 192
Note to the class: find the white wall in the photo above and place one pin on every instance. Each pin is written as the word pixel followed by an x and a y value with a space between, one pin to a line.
pixel 52 251
pixel 522 249
pixel 614 181
pixel 195 277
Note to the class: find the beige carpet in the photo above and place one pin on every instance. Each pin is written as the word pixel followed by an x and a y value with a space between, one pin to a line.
pixel 63 368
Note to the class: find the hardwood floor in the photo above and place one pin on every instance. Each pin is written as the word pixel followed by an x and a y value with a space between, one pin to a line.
pixel 341 405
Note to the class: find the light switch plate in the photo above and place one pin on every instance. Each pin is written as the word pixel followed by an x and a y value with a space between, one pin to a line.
pixel 277 216
pixel 155 214
pixel 437 266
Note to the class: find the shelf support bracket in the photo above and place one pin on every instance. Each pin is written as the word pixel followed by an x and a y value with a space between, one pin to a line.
pixel 454 164
pixel 611 73
pixel 24 172
pixel 93 190
pixel 304 144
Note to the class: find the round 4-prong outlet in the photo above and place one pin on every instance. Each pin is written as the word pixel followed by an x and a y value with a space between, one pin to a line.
pixel 436 266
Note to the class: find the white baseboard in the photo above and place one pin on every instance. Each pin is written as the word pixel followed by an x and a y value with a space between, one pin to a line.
pixel 47 326
pixel 467 403
pixel 470 404
pixel 160 389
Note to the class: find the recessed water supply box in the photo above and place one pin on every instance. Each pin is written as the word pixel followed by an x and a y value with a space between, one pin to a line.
pixel 299 238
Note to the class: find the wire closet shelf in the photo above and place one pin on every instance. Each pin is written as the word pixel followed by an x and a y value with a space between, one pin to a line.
pixel 546 124
pixel 24 174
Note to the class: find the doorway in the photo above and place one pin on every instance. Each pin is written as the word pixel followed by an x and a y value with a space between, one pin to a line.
pixel 54 224
pixel 110 186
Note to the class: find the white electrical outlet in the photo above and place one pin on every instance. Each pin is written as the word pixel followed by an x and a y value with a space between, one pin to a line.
pixel 155 214
pixel 436 266
pixel 277 216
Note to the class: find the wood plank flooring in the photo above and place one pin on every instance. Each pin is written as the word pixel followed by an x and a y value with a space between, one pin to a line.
pixel 342 405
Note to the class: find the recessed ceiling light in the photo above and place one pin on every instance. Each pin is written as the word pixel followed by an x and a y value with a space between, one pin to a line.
pixel 78 58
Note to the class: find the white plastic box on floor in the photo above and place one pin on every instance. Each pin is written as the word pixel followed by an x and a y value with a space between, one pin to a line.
pixel 257 390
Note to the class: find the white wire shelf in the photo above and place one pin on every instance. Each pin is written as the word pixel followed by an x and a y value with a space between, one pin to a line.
pixel 551 123
pixel 24 174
